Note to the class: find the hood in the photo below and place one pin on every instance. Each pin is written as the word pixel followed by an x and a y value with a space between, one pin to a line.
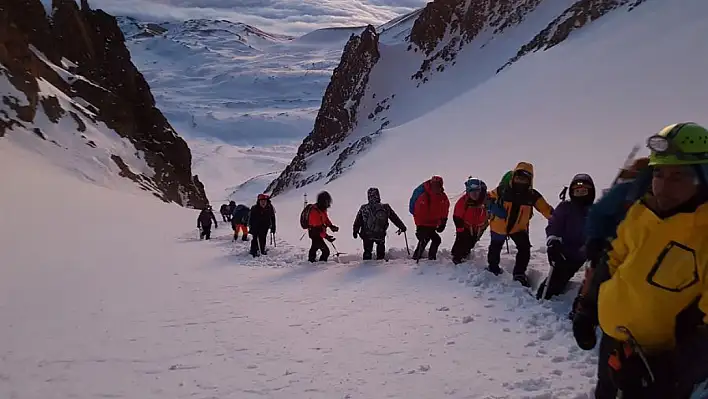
pixel 524 167
pixel 373 195
pixel 426 185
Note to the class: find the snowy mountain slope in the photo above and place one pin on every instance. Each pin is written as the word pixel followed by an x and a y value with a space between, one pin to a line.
pixel 452 48
pixel 175 317
pixel 71 93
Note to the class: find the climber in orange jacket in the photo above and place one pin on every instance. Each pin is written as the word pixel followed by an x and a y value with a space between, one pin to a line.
pixel 511 213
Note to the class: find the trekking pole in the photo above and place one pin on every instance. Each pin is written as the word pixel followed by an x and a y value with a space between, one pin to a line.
pixel 273 240
pixel 405 237
pixel 507 245
pixel 548 280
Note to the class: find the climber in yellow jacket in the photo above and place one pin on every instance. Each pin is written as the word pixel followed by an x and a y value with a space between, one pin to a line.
pixel 650 293
pixel 511 208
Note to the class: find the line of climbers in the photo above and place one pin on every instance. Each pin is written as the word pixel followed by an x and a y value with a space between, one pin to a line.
pixel 645 242
pixel 257 221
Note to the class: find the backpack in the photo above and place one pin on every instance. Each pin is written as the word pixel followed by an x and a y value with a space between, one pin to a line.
pixel 414 198
pixel 305 216
pixel 376 219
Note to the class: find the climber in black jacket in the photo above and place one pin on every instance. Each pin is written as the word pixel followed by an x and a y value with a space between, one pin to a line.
pixel 262 219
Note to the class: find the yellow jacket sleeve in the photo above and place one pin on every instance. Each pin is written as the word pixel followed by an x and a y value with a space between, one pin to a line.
pixel 620 250
pixel 542 206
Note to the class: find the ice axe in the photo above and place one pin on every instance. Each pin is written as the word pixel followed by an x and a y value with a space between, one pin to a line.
pixel 336 252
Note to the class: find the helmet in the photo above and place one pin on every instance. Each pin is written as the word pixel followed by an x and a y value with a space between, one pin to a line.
pixel 474 184
pixel 263 197
pixel 679 144
pixel 437 179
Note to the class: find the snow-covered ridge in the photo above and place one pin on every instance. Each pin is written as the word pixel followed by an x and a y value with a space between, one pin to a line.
pixel 457 45
pixel 71 93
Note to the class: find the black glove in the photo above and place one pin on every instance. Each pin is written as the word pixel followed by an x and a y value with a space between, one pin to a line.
pixel 554 250
pixel 272 230
pixel 334 228
pixel 584 325
pixel 355 235
pixel 403 229
pixel 594 250
pixel 441 228
pixel 216 226
pixel 330 238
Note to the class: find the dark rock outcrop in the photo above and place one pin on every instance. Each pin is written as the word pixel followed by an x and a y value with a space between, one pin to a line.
pixel 574 18
pixel 447 25
pixel 116 91
pixel 338 112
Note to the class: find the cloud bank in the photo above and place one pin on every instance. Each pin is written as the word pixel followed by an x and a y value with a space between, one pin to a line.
pixel 293 17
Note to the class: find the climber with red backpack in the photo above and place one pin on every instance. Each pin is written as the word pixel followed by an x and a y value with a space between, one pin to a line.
pixel 430 208
pixel 371 223
pixel 470 218
pixel 315 220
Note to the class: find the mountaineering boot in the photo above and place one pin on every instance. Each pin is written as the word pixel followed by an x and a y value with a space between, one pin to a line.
pixel 496 270
pixel 522 279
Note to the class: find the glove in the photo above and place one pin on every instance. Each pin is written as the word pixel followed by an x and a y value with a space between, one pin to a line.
pixel 216 226
pixel 355 235
pixel 403 229
pixel 441 228
pixel 555 250
pixel 330 238
pixel 334 228
pixel 272 230
pixel 594 250
pixel 584 325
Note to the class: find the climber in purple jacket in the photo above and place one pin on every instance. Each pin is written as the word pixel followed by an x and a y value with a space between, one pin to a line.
pixel 565 234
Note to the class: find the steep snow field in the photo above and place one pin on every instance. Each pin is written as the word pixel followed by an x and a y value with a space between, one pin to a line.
pixel 119 299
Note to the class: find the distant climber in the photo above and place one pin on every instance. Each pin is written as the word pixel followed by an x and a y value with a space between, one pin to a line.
pixel 224 211
pixel 470 218
pixel 261 220
pixel 314 218
pixel 371 224
pixel 206 216
pixel 430 207
pixel 239 221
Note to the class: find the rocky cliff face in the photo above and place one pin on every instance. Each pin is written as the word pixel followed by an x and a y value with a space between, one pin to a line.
pixel 338 113
pixel 439 33
pixel 81 53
